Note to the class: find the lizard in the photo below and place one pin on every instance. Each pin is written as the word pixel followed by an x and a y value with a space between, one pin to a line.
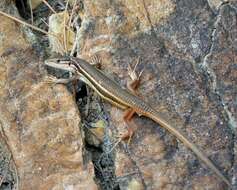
pixel 112 92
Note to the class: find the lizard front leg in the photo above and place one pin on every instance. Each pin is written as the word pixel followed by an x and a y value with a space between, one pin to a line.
pixel 54 80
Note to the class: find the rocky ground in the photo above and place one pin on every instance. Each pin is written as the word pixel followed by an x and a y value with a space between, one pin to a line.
pixel 65 136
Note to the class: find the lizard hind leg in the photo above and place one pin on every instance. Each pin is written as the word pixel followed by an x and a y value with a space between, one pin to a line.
pixel 128 114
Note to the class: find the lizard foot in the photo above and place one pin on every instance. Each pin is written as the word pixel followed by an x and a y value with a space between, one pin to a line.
pixel 96 61
pixel 127 137
pixel 136 78
pixel 50 80
pixel 132 71
pixel 122 137
pixel 54 80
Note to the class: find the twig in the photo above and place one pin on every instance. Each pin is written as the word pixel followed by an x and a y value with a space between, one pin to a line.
pixel 127 175
pixel 11 158
pixel 27 24
pixel 147 14
pixel 115 144
pixel 31 12
pixel 75 42
pixel 87 101
pixel 5 172
pixel 64 27
pixel 2 178
pixel 44 22
pixel 17 176
pixel 49 6
pixel 93 133
pixel 73 9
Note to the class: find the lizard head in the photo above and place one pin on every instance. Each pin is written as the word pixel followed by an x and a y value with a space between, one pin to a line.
pixel 65 63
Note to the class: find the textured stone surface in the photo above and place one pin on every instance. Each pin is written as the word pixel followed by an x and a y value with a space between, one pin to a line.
pixel 40 122
pixel 8 172
pixel 188 51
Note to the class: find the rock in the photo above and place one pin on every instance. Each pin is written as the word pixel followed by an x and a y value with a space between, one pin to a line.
pixel 63 40
pixel 188 55
pixel 34 3
pixel 187 51
pixel 97 133
pixel 40 122
pixel 8 170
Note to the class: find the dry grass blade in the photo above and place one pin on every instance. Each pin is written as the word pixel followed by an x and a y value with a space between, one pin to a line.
pixel 64 27
pixel 11 159
pixel 73 9
pixel 70 20
pixel 27 24
pixel 45 22
pixel 115 145
pixel 31 12
pixel 49 6
pixel 73 50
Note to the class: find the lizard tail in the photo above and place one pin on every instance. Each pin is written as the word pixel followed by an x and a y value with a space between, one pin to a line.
pixel 156 117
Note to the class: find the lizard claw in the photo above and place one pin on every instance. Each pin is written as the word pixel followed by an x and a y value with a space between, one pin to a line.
pixel 126 136
pixel 50 80
pixel 95 60
pixel 121 137
pixel 136 77
pixel 132 72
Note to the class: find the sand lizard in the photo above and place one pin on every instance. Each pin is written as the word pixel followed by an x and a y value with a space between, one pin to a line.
pixel 124 99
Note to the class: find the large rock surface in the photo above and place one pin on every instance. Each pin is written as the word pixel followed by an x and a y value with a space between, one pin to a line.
pixel 40 122
pixel 188 52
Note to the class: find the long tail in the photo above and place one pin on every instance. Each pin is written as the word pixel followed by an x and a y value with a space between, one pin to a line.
pixel 156 117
